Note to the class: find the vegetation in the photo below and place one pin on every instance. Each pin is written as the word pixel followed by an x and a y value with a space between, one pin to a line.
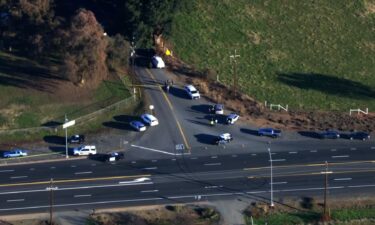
pixel 307 54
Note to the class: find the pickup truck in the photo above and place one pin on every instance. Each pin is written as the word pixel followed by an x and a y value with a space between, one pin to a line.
pixel 270 132
pixel 15 153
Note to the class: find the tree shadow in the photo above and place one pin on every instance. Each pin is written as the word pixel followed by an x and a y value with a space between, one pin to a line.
pixel 205 138
pixel 52 124
pixel 327 84
pixel 310 134
pixel 249 131
pixel 54 139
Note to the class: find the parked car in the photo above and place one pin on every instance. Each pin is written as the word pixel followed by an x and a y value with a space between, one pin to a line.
pixel 115 156
pixel 85 150
pixel 217 109
pixel 15 153
pixel 77 139
pixel 329 134
pixel 223 139
pixel 232 118
pixel 270 132
pixel 137 125
pixel 149 119
pixel 192 92
pixel 359 136
pixel 157 62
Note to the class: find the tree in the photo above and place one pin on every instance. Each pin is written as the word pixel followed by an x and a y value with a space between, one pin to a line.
pixel 118 52
pixel 85 46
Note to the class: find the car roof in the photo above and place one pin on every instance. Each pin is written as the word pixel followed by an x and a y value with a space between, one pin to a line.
pixel 219 106
pixel 148 116
pixel 232 115
pixel 191 87
pixel 225 135
pixel 136 122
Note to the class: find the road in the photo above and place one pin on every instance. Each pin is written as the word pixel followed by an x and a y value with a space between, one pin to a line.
pixel 155 172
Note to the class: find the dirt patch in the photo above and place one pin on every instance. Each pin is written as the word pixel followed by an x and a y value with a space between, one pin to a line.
pixel 369 7
pixel 258 114
pixel 177 215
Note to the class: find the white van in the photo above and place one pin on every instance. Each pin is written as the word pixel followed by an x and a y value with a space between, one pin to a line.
pixel 85 150
pixel 157 62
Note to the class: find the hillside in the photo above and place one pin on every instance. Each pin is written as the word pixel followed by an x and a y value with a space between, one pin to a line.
pixel 316 55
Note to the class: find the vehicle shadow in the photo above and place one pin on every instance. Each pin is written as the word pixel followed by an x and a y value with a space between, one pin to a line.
pixel 117 125
pixel 100 157
pixel 310 134
pixel 202 108
pixel 221 119
pixel 249 131
pixel 199 122
pixel 54 139
pixel 61 150
pixel 178 92
pixel 205 138
pixel 125 118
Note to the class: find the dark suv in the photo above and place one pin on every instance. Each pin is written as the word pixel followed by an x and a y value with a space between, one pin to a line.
pixel 329 134
pixel 77 139
pixel 359 136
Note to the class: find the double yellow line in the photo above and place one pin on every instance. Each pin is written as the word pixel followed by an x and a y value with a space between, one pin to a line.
pixel 75 180
pixel 172 109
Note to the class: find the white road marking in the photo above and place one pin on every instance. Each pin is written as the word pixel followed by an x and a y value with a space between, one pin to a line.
pixel 32 169
pixel 173 159
pixel 80 196
pixel 18 177
pixel 313 151
pixel 148 191
pixel 353 149
pixel 292 152
pixel 373 147
pixel 5 171
pixel 16 200
pixel 73 166
pixel 273 153
pixel 133 162
pixel 212 164
pixel 234 156
pixel 282 182
pixel 93 164
pixel 341 179
pixel 154 150
pixel 359 186
pixel 194 158
pixel 214 157
pixel 340 156
pixel 212 187
pixel 333 150
pixel 277 160
pixel 52 167
pixel 253 154
pixel 154 160
pixel 87 172
pixel 151 168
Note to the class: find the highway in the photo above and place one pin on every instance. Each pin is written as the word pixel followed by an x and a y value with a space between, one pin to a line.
pixel 155 172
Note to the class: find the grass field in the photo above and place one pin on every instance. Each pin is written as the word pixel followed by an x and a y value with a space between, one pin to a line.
pixel 27 97
pixel 308 54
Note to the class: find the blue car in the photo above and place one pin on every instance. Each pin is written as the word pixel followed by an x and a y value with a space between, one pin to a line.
pixel 15 153
pixel 329 134
pixel 137 125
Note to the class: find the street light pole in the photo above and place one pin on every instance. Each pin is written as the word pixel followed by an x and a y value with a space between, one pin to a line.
pixel 269 152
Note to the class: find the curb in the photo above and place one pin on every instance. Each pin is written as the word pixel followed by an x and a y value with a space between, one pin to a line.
pixel 42 161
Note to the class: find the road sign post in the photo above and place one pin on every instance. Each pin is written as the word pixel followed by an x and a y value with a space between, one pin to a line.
pixel 65 126
pixel 152 109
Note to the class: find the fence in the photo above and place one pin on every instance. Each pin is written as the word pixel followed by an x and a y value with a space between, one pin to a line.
pixel 278 106
pixel 79 120
pixel 358 111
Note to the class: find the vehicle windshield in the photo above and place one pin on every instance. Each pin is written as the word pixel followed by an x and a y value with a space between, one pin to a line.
pixel 194 92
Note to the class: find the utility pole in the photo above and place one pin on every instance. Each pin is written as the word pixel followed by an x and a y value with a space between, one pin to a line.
pixel 66 139
pixel 51 188
pixel 270 154
pixel 234 60
pixel 326 216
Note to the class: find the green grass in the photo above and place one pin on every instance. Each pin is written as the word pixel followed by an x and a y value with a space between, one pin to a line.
pixel 24 104
pixel 307 54
pixel 338 215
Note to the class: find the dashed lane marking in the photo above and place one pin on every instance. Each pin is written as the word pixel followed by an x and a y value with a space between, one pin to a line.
pixel 86 172
pixel 340 156
pixel 342 179
pixel 212 164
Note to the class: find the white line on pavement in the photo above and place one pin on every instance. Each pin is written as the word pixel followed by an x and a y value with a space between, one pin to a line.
pixel 80 196
pixel 253 154
pixel 340 156
pixel 16 200
pixel 73 166
pixel 212 164
pixel 282 182
pixel 154 160
pixel 333 150
pixel 148 191
pixel 151 168
pixel 353 149
pixel 5 171
pixel 18 177
pixel 277 160
pixel 52 167
pixel 133 162
pixel 373 147
pixel 194 158
pixel 212 187
pixel 160 151
pixel 313 151
pixel 214 157
pixel 234 156
pixel 32 169
pixel 359 186
pixel 292 152
pixel 87 172
pixel 341 179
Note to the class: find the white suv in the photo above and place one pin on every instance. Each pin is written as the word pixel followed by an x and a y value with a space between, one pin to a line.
pixel 85 150
pixel 149 119
pixel 192 92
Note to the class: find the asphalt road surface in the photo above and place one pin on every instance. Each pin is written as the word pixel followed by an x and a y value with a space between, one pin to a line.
pixel 155 171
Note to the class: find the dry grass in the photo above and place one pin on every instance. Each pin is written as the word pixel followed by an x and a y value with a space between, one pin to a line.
pixel 369 7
